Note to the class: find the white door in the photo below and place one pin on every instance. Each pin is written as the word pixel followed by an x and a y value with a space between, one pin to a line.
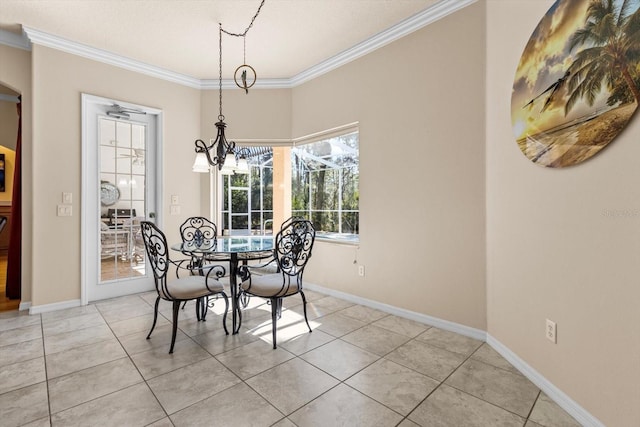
pixel 121 146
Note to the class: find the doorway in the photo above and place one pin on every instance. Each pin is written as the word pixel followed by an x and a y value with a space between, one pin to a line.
pixel 9 123
pixel 121 170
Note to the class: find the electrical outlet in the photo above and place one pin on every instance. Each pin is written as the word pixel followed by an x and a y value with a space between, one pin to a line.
pixel 361 270
pixel 550 331
pixel 65 210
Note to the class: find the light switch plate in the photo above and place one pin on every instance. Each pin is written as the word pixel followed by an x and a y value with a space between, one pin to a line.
pixel 175 200
pixel 175 209
pixel 67 198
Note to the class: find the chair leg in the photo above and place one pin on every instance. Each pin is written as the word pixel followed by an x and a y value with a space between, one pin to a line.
pixel 274 318
pixel 239 313
pixel 184 304
pixel 199 309
pixel 244 299
pixel 155 316
pixel 205 308
pixel 176 310
pixel 226 309
pixel 304 308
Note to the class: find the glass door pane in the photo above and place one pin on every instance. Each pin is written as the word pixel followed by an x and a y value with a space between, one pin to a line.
pixel 122 198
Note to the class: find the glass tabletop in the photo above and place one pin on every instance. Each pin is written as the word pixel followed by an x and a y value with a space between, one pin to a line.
pixel 229 244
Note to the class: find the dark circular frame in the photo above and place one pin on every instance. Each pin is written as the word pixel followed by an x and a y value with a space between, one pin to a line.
pixel 235 76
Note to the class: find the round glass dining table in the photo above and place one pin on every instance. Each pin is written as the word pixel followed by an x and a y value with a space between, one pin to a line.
pixel 233 249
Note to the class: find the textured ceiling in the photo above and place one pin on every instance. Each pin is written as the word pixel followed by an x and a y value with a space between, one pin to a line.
pixel 287 38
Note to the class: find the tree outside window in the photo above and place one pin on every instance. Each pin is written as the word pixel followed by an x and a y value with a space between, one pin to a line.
pixel 325 185
pixel 324 189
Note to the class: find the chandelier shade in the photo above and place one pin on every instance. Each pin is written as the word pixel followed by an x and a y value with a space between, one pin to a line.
pixel 201 164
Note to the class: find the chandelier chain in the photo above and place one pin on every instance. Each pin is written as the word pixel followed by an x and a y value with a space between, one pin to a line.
pixel 243 35
pixel 220 116
pixel 249 27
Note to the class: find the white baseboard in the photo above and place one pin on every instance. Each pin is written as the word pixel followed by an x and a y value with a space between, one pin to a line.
pixel 447 325
pixel 24 305
pixel 554 393
pixel 53 307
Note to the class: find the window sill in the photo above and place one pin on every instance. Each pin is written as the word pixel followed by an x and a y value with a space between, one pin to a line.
pixel 343 239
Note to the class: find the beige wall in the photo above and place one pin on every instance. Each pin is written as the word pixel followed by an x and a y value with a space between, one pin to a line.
pixel 562 244
pixel 15 73
pixel 262 113
pixel 419 100
pixel 559 244
pixel 59 80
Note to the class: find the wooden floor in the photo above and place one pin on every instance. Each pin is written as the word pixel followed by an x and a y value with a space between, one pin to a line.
pixel 5 303
pixel 113 269
pixel 117 268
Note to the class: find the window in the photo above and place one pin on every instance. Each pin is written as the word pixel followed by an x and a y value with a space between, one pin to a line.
pixel 247 199
pixel 324 187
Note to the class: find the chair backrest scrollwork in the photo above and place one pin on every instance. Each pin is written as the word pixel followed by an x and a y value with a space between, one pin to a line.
pixel 199 231
pixel 289 220
pixel 156 246
pixel 293 246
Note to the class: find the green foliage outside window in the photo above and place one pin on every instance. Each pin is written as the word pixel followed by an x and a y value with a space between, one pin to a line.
pixel 324 188
pixel 325 184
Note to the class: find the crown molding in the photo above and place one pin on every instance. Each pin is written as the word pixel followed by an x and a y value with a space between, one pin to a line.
pixel 437 11
pixel 214 84
pixel 19 41
pixel 419 20
pixel 48 40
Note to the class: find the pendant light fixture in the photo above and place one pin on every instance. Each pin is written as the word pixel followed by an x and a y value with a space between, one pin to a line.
pixel 225 153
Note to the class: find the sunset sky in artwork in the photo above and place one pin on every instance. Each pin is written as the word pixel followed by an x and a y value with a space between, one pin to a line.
pixel 544 60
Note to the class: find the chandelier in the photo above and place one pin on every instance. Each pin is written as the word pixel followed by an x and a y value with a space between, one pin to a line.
pixel 220 152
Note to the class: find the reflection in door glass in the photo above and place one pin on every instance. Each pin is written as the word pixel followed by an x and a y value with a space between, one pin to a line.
pixel 122 199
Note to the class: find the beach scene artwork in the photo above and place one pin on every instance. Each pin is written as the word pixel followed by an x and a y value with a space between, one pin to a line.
pixel 578 81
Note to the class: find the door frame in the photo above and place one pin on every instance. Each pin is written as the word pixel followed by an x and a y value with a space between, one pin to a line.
pixel 90 195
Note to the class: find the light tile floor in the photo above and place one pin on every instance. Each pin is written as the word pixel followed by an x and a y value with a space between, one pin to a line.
pixel 92 366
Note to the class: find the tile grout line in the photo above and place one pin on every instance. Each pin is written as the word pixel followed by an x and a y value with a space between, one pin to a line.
pixel 343 382
pixel 333 339
pixel 147 383
pixel 479 398
pixel 144 380
pixel 46 374
pixel 128 356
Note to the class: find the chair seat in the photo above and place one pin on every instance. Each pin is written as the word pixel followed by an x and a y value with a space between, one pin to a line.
pixel 269 286
pixel 191 287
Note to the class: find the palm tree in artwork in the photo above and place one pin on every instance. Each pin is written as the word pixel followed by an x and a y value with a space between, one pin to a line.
pixel 612 37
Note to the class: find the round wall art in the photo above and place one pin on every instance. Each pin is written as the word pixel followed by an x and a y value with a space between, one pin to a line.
pixel 578 81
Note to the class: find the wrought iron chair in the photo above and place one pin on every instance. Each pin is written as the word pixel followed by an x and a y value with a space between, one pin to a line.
pixel 289 220
pixel 199 231
pixel 293 245
pixel 192 287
